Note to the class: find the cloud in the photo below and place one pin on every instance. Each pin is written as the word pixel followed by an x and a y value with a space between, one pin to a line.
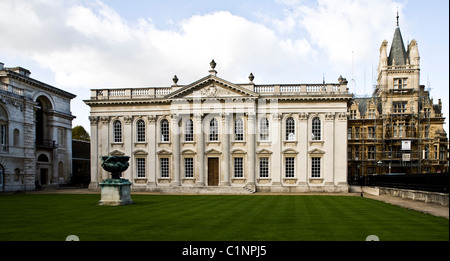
pixel 89 45
pixel 340 27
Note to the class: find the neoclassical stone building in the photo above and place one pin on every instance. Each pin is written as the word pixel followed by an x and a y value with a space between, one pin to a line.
pixel 216 136
pixel 35 132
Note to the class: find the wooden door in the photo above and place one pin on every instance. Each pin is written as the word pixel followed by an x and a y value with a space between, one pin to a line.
pixel 213 171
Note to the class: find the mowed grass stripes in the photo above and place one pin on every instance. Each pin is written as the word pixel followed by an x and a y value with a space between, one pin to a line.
pixel 41 217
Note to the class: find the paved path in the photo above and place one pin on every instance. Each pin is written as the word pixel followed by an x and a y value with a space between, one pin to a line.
pixel 429 208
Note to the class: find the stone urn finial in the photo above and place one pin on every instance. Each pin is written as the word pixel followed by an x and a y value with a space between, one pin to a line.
pixel 175 80
pixel 251 77
pixel 213 64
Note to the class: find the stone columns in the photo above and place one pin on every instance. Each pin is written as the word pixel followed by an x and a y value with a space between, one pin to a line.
pixel 175 130
pixel 276 137
pixel 226 149
pixel 152 140
pixel 329 146
pixel 199 137
pixel 94 152
pixel 251 148
pixel 128 145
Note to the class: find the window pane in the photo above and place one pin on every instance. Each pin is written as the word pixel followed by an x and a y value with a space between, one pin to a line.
pixel 264 129
pixel 316 129
pixel 239 130
pixel 290 129
pixel 238 167
pixel 189 131
pixel 164 162
pixel 140 131
pixel 164 130
pixel 213 130
pixel 140 166
pixel 290 167
pixel 117 131
pixel 189 167
pixel 315 167
pixel 264 167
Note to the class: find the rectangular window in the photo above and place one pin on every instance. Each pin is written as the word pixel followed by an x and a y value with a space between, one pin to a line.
pixel 349 133
pixel 371 132
pixel 427 152
pixel 188 167
pixel 164 164
pixel 238 167
pixel 289 167
pixel 401 83
pixel 442 153
pixel 140 167
pixel 264 167
pixel 3 135
pixel 352 114
pixel 239 130
pixel 427 131
pixel 371 153
pixel 315 167
pixel 140 131
pixel 399 107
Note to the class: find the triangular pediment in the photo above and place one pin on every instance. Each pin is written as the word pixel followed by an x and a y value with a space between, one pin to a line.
pixel 211 87
pixel 316 151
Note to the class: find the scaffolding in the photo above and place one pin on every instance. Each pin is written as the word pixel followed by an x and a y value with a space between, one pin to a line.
pixel 398 139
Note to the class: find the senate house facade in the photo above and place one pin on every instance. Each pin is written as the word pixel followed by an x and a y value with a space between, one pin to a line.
pixel 213 135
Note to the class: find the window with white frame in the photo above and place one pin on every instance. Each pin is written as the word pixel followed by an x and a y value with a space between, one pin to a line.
pixel 239 130
pixel 264 167
pixel 140 167
pixel 315 167
pixel 164 167
pixel 117 131
pixel 140 127
pixel 316 129
pixel 264 128
pixel 213 130
pixel 188 167
pixel 189 131
pixel 289 167
pixel 238 167
pixel 290 129
pixel 164 130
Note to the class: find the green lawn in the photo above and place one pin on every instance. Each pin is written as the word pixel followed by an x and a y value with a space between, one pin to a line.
pixel 214 217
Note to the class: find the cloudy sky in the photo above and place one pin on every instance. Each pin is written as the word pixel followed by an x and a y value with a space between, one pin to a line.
pixel 78 45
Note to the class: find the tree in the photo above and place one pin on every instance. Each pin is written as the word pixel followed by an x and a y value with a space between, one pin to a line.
pixel 79 133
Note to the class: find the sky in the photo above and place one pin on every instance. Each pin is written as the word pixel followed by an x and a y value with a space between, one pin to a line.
pixel 78 45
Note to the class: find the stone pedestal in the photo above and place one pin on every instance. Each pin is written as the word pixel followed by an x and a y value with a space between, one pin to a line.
pixel 115 192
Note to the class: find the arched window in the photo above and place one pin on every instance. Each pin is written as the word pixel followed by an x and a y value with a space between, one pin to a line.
pixel 140 126
pixel 189 131
pixel 239 130
pixel 164 130
pixel 264 129
pixel 316 129
pixel 213 130
pixel 290 129
pixel 117 131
